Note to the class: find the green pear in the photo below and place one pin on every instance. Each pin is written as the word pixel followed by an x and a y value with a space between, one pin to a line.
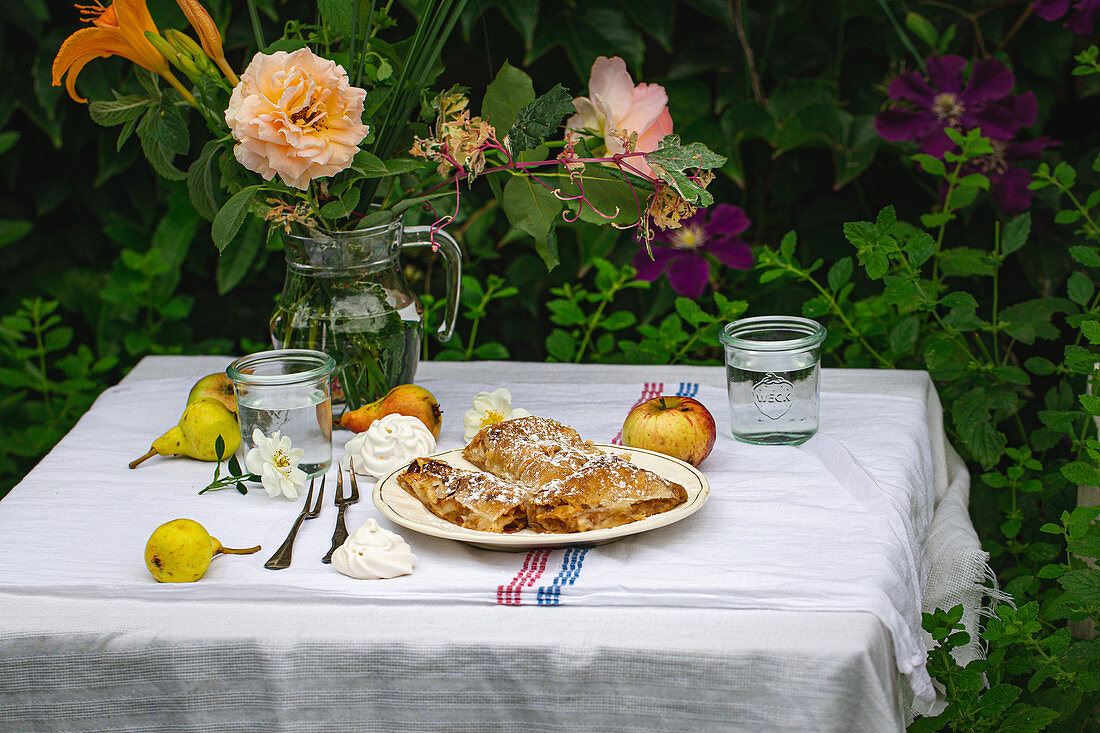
pixel 217 386
pixel 197 433
pixel 180 551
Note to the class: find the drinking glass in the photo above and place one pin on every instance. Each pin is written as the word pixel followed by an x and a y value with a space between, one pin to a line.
pixel 772 369
pixel 287 390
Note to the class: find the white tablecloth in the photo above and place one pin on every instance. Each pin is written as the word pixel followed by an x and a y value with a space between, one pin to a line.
pixel 390 658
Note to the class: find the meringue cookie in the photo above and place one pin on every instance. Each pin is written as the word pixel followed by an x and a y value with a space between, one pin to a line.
pixel 372 552
pixel 389 443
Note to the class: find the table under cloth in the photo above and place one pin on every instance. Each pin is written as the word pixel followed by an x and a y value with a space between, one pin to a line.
pixel 790 601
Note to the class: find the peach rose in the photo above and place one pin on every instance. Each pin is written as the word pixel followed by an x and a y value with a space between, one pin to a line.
pixel 617 108
pixel 296 115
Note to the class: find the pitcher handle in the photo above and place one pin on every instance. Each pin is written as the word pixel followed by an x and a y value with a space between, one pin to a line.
pixel 421 236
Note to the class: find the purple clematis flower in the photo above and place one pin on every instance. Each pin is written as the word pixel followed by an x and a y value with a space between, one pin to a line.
pixel 1082 19
pixel 941 101
pixel 1008 183
pixel 711 231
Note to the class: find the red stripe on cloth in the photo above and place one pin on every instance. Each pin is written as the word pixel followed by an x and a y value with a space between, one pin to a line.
pixel 649 391
pixel 534 564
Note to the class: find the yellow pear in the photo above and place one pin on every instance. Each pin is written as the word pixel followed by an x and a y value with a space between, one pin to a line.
pixel 180 551
pixel 197 433
pixel 404 399
pixel 217 386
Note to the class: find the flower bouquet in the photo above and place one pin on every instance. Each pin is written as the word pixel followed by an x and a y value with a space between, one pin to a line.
pixel 328 135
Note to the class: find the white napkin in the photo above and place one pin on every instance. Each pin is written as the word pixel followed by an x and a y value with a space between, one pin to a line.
pixel 837 524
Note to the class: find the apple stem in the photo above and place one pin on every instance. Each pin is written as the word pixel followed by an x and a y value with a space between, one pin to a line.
pixel 135 463
pixel 662 401
pixel 235 551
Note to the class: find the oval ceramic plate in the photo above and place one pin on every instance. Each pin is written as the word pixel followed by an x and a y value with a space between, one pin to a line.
pixel 405 509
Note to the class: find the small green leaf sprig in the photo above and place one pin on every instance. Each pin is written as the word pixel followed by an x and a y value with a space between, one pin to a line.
pixel 235 478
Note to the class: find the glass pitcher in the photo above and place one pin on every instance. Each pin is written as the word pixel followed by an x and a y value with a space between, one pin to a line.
pixel 345 294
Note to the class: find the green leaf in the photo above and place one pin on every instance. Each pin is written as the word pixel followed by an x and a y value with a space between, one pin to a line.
pixel 165 124
pixel 531 208
pixel 1087 256
pixel 1091 331
pixel 565 312
pixel 671 159
pixel 230 217
pixel 202 184
pixel 1014 235
pixel 12 230
pixel 840 273
pixel 875 263
pixel 112 112
pixel 237 257
pixel 1081 473
pixel 971 416
pixel 919 246
pixel 691 312
pixel 1065 174
pixel 884 222
pixel 342 206
pixel 618 320
pixel 962 196
pixel 903 336
pixel 539 119
pixel 8 140
pixel 1040 366
pixel 1031 319
pixel 369 165
pixel 160 158
pixel 787 246
pixel 560 345
pixel 1080 288
pixel 607 190
pixel 1011 374
pixel 1083 583
pixel 930 165
pixel 966 261
pixel 505 96
pixel 338 15
pixel 922 28
pixel 492 351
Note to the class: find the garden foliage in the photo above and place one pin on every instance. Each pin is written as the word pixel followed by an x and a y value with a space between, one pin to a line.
pixel 957 234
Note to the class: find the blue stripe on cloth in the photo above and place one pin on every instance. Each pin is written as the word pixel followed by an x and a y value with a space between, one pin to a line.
pixel 570 570
pixel 688 389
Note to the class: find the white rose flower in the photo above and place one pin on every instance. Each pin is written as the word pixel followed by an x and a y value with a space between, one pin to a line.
pixel 276 463
pixel 490 407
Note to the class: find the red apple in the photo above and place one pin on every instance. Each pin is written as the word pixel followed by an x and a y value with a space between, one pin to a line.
pixel 676 426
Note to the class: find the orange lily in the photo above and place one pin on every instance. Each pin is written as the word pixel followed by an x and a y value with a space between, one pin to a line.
pixel 119 30
pixel 208 34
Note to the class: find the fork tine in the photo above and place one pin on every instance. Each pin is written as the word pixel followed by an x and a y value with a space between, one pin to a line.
pixel 310 494
pixel 354 483
pixel 339 485
pixel 320 498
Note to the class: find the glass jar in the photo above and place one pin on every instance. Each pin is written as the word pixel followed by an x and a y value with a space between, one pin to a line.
pixel 772 370
pixel 287 390
pixel 345 294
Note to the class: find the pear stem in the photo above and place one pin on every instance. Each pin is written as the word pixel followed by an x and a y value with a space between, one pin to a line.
pixel 135 463
pixel 235 551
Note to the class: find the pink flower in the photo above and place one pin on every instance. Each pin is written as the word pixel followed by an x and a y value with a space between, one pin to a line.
pixel 617 108
pixel 296 115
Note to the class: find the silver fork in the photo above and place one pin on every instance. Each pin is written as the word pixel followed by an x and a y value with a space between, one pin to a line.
pixel 342 503
pixel 281 559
